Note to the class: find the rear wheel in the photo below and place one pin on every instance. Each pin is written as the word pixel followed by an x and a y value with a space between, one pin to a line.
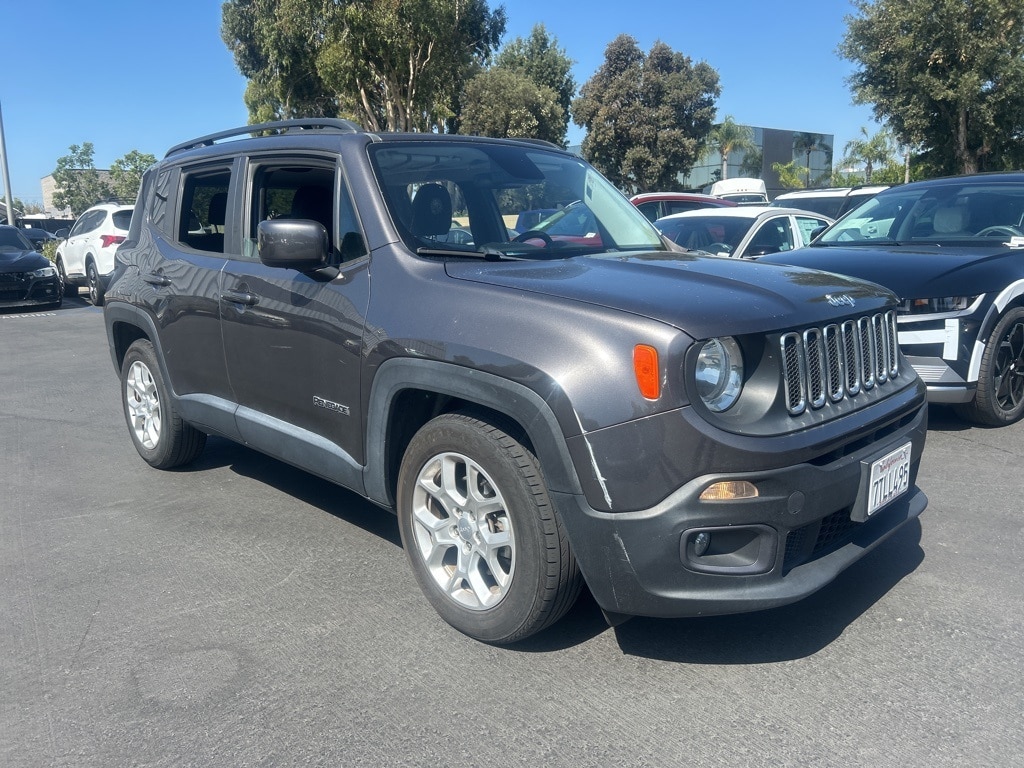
pixel 480 531
pixel 1000 396
pixel 158 432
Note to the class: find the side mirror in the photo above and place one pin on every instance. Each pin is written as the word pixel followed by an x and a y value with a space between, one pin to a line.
pixel 62 233
pixel 298 244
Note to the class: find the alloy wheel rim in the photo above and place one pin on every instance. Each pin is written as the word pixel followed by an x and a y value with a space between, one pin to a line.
pixel 462 531
pixel 1008 380
pixel 143 403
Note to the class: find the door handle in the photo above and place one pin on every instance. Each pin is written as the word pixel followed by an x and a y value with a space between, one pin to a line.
pixel 240 297
pixel 154 278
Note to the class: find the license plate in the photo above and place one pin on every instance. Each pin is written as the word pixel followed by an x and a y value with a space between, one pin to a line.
pixel 890 478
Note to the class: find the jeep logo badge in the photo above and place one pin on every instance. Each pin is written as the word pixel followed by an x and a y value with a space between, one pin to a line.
pixel 840 300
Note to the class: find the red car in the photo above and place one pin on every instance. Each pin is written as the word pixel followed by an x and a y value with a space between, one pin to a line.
pixel 655 205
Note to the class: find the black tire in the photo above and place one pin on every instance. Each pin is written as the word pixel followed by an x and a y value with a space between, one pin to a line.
pixel 1000 396
pixel 506 530
pixel 68 288
pixel 158 432
pixel 92 278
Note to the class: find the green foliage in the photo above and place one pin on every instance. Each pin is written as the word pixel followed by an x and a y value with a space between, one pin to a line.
pixel 944 75
pixel 126 174
pixel 275 44
pixel 728 137
pixel 403 64
pixel 539 59
pixel 50 249
pixel 870 151
pixel 506 104
pixel 647 116
pixel 791 175
pixel 79 185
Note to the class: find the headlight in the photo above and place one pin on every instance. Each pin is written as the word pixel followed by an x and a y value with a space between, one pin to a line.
pixel 936 306
pixel 719 373
pixel 44 272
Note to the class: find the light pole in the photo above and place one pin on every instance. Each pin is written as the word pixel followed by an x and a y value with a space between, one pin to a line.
pixel 6 173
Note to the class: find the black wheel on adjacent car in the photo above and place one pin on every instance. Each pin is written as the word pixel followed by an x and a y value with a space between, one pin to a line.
pixel 159 434
pixel 68 288
pixel 480 531
pixel 95 285
pixel 1000 396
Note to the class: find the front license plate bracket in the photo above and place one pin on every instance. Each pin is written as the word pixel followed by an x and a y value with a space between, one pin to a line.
pixel 882 480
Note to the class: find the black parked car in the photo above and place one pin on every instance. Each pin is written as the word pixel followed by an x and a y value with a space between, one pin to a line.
pixel 540 411
pixel 27 278
pixel 953 250
pixel 38 237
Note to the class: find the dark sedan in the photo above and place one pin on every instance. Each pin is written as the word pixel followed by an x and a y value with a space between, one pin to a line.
pixel 38 237
pixel 27 278
pixel 953 250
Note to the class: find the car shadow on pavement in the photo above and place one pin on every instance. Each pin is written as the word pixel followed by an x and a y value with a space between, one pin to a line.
pixel 791 632
pixel 326 496
pixel 780 634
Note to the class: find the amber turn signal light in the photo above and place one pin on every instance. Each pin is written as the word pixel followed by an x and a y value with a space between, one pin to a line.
pixel 645 367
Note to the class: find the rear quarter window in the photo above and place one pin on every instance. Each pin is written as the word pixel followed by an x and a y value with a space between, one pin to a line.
pixel 122 219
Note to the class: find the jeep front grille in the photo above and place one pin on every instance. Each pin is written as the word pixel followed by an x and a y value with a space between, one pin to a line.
pixel 825 365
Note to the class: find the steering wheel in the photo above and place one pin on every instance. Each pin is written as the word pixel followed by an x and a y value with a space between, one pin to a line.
pixel 717 248
pixel 1000 229
pixel 533 234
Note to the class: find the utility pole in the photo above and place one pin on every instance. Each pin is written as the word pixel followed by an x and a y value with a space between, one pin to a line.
pixel 6 172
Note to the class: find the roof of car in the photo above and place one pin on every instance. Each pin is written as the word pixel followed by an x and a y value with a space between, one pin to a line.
pixel 281 131
pixel 831 192
pixel 698 196
pixel 743 212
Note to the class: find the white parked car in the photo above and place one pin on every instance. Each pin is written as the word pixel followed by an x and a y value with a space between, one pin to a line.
pixel 832 202
pixel 86 256
pixel 744 232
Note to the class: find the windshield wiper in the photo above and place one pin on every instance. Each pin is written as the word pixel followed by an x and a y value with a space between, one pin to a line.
pixel 856 243
pixel 486 252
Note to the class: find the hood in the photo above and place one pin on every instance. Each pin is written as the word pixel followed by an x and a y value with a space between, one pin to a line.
pixel 917 271
pixel 22 261
pixel 704 296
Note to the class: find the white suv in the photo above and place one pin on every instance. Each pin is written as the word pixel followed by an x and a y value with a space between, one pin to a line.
pixel 86 256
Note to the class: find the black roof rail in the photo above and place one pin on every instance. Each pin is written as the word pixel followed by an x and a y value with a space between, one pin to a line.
pixel 326 124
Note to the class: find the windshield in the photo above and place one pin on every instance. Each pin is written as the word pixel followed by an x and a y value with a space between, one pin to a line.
pixel 975 212
pixel 12 240
pixel 505 200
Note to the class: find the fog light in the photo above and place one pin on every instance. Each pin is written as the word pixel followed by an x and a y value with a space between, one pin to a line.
pixel 728 490
pixel 701 542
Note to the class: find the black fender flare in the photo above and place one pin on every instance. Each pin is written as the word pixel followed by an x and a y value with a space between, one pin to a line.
pixel 510 398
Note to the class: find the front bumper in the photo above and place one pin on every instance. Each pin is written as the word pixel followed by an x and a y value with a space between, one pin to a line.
pixel 16 292
pixel 944 384
pixel 787 543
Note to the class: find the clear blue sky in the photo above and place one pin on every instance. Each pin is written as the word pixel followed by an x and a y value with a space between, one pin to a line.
pixel 147 75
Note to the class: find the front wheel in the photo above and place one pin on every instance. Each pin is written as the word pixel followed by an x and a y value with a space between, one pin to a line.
pixel 1000 396
pixel 92 277
pixel 67 287
pixel 158 432
pixel 480 531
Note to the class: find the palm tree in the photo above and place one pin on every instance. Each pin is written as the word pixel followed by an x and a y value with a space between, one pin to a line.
pixel 870 150
pixel 808 143
pixel 729 136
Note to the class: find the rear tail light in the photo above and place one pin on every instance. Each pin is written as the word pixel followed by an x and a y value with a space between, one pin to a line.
pixel 109 240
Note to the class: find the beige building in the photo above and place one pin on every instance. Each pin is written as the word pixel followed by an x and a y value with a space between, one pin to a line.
pixel 49 187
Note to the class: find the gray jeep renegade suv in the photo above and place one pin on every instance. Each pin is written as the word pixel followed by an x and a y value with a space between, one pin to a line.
pixel 573 404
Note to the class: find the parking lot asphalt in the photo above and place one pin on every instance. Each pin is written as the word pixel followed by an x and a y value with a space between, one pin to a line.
pixel 242 613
